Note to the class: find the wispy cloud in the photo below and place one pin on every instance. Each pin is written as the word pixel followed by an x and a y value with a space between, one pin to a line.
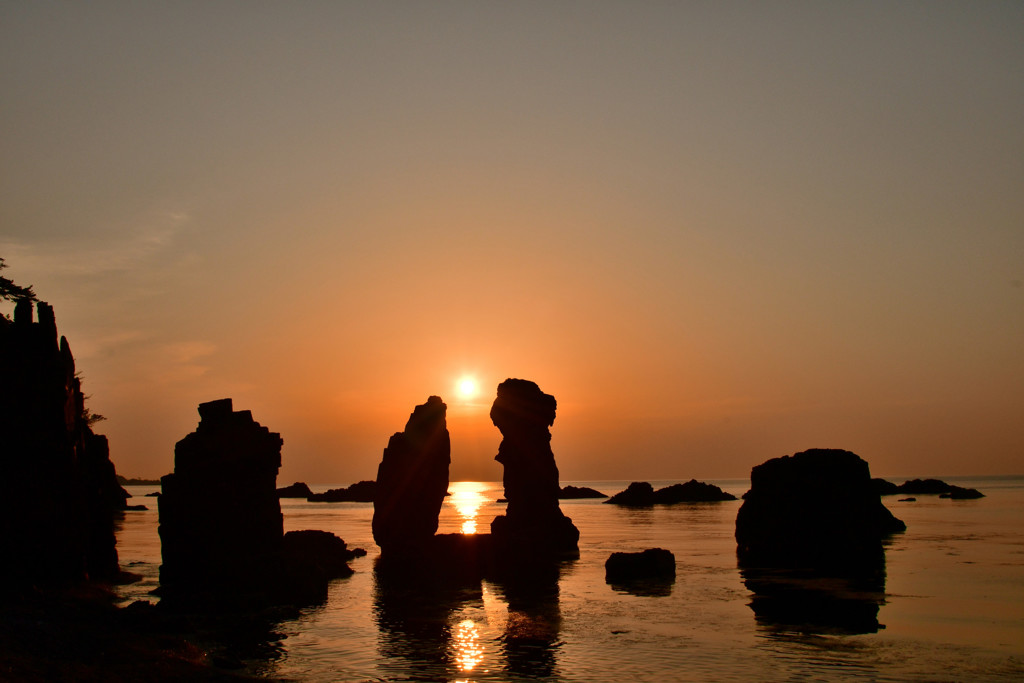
pixel 73 258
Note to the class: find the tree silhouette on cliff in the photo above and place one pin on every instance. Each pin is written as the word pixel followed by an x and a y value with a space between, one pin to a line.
pixel 12 292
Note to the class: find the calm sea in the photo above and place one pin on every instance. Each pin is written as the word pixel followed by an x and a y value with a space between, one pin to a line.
pixel 951 607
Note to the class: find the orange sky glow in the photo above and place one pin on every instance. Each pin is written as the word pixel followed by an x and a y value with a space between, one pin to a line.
pixel 715 232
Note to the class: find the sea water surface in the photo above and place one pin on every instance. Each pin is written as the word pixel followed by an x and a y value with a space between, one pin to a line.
pixel 949 607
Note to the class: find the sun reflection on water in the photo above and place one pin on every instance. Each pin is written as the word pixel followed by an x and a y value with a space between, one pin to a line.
pixel 467 498
pixel 468 650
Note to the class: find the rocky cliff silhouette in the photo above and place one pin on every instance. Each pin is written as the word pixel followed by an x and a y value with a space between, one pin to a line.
pixel 58 487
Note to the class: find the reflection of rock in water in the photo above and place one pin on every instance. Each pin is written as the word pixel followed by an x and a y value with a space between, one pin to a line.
pixel 824 601
pixel 531 639
pixel 413 614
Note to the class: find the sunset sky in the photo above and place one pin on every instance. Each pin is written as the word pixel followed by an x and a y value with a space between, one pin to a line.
pixel 716 232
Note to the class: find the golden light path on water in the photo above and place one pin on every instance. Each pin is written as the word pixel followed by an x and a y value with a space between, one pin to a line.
pixel 469 650
pixel 467 498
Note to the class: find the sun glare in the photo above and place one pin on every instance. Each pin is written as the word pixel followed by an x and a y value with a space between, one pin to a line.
pixel 466 388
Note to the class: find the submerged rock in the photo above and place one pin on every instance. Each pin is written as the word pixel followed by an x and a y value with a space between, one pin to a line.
pixel 815 507
pixel 533 522
pixel 359 492
pixel 412 480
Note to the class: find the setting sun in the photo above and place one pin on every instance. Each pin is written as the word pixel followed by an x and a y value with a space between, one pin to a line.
pixel 466 388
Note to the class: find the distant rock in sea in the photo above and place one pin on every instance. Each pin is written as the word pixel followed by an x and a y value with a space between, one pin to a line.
pixel 926 487
pixel 359 492
pixel 137 482
pixel 296 490
pixel 577 492
pixel 961 493
pixel 637 494
pixel 814 507
pixel 642 494
pixel 919 486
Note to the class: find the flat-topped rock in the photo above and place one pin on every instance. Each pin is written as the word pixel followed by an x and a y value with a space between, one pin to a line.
pixel 818 506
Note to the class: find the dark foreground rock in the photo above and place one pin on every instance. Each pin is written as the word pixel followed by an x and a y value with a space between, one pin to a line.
pixel 650 573
pixel 642 494
pixel 651 563
pixel 359 492
pixel 296 490
pixel 221 527
pixel 578 492
pixel 58 488
pixel 813 508
pixel 412 480
pixel 533 523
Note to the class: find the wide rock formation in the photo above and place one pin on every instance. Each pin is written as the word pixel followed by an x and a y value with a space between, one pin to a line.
pixel 642 494
pixel 58 488
pixel 412 480
pixel 817 507
pixel 359 492
pixel 221 528
pixel 926 486
pixel 533 522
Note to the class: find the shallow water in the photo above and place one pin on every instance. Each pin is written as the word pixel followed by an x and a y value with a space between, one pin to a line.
pixel 950 605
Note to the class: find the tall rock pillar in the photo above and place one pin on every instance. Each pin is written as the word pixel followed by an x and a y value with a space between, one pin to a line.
pixel 533 521
pixel 412 480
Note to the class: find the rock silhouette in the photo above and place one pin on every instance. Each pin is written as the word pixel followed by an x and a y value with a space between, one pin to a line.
pixel 221 527
pixel 533 522
pixel 412 480
pixel 577 492
pixel 926 486
pixel 637 494
pixel 359 492
pixel 297 490
pixel 642 494
pixel 813 508
pixel 653 563
pixel 961 493
pixel 219 510
pixel 58 487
